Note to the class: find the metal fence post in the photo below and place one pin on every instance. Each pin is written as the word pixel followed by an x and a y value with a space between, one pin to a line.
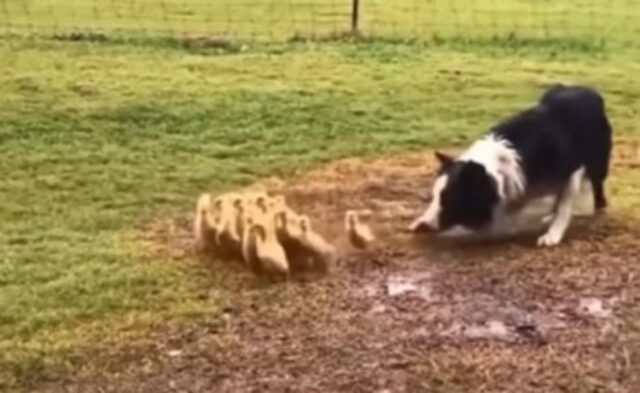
pixel 355 15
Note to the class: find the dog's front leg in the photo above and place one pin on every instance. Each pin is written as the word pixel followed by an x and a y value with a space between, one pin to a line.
pixel 563 211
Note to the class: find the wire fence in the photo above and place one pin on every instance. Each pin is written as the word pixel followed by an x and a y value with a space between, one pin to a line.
pixel 276 20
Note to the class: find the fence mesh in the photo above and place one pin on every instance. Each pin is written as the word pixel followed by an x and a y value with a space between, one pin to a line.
pixel 283 19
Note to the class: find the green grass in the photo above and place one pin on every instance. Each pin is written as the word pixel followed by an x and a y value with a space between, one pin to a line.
pixel 97 139
pixel 281 19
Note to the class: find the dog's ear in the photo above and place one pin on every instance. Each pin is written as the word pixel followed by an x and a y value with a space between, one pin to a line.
pixel 444 159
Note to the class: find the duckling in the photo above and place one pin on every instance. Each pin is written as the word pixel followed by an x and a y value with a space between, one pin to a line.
pixel 324 254
pixel 279 203
pixel 203 228
pixel 286 223
pixel 242 208
pixel 228 239
pixel 262 202
pixel 249 253
pixel 252 196
pixel 222 202
pixel 290 236
pixel 360 234
pixel 225 198
pixel 273 259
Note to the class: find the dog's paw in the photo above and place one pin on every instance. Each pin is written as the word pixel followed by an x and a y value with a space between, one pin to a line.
pixel 420 224
pixel 546 220
pixel 550 239
pixel 413 227
pixel 417 226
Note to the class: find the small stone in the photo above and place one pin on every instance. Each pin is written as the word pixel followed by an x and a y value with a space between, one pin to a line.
pixel 378 308
pixel 400 288
pixel 593 307
pixel 491 330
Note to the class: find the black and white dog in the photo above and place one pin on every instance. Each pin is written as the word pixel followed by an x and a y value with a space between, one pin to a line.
pixel 549 149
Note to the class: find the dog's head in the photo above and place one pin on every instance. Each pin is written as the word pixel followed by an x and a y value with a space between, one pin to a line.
pixel 464 194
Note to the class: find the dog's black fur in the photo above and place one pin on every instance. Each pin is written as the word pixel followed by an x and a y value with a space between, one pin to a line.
pixel 470 196
pixel 567 129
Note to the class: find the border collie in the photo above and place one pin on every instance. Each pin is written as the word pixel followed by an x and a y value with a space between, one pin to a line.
pixel 547 150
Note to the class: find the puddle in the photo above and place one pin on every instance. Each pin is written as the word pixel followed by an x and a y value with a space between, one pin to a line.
pixel 416 284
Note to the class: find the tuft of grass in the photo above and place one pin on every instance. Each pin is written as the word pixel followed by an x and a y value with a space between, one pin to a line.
pixel 97 138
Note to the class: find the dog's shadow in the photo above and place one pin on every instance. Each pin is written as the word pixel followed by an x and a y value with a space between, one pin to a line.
pixel 583 228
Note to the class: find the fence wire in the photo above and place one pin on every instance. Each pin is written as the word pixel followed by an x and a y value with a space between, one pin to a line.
pixel 275 20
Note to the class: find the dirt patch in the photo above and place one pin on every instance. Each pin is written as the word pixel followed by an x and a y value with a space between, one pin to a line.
pixel 410 315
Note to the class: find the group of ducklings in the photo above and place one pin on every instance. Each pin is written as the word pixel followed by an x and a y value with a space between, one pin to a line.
pixel 266 234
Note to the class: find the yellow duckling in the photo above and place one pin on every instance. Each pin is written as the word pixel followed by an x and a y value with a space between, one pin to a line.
pixel 249 252
pixel 287 224
pixel 228 238
pixel 223 202
pixel 225 198
pixel 243 208
pixel 289 235
pixel 204 228
pixel 273 259
pixel 262 203
pixel 252 196
pixel 278 203
pixel 360 235
pixel 324 254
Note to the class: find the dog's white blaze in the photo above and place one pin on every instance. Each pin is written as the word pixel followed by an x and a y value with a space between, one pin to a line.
pixel 430 216
pixel 502 162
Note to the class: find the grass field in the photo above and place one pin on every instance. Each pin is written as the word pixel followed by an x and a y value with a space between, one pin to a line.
pixel 281 19
pixel 98 138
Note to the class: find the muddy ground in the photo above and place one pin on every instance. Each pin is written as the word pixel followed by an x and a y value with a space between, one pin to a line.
pixel 411 315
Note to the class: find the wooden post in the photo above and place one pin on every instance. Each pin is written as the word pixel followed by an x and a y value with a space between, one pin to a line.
pixel 355 16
